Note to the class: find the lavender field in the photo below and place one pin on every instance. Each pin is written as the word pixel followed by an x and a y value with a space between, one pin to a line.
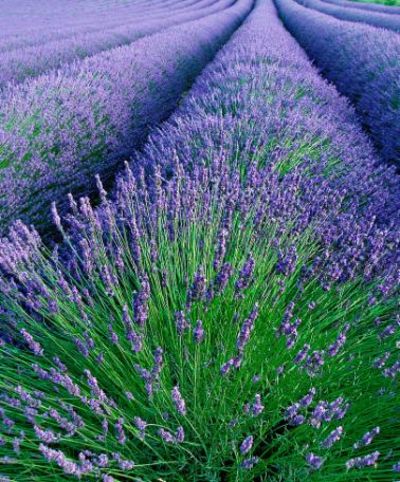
pixel 199 241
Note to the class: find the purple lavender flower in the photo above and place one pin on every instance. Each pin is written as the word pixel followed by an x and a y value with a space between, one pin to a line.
pixel 367 438
pixel 335 54
pixel 181 322
pixel 223 277
pixel 198 288
pixel 381 361
pixel 198 332
pixel 178 400
pixel 123 464
pixel 107 478
pixel 245 275
pixel 249 463
pixel 333 437
pixel 246 329
pixel 140 303
pixel 287 261
pixel 257 407
pixel 246 445
pixel 302 354
pixel 32 344
pixel 314 461
pixel 339 342
pixel 180 435
pixel 158 363
pixel 308 398
pixel 69 467
pixel 140 424
pixel 392 371
pixel 46 436
pixel 361 462
pixel 166 436
pixel 119 429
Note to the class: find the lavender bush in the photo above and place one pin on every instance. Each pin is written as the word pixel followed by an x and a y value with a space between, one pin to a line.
pixel 60 129
pixel 28 16
pixel 101 19
pixel 20 64
pixel 230 311
pixel 362 61
pixel 373 7
pixel 376 19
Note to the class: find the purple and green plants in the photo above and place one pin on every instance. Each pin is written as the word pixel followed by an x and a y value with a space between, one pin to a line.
pixel 30 62
pixel 362 61
pixel 376 19
pixel 230 311
pixel 60 129
pixel 391 6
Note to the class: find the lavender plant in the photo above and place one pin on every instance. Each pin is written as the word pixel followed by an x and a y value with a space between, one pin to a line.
pixel 228 313
pixel 367 6
pixel 57 131
pixel 30 62
pixel 376 19
pixel 361 61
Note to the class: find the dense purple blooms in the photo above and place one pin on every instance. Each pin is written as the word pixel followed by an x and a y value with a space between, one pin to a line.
pixel 83 119
pixel 367 72
pixel 32 344
pixel 178 400
pixel 367 438
pixel 374 7
pixel 181 322
pixel 34 60
pixel 365 461
pixel 246 445
pixel 198 332
pixel 333 437
pixel 314 461
pixel 249 153
pixel 376 19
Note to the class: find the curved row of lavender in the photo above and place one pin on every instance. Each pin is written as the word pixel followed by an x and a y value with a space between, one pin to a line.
pixel 57 131
pixel 24 17
pixel 30 62
pixel 373 7
pixel 363 63
pixel 376 19
pixel 85 24
pixel 230 312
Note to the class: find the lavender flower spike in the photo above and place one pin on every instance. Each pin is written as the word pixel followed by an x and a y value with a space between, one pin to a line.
pixel 314 461
pixel 246 445
pixel 198 332
pixel 333 437
pixel 178 400
pixel 32 344
pixel 361 462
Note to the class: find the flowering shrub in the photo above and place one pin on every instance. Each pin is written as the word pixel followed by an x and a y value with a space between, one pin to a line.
pixel 361 61
pixel 57 131
pixel 376 19
pixel 32 23
pixel 230 312
pixel 29 62
pixel 373 7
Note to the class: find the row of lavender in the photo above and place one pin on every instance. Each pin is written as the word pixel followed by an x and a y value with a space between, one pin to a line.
pixel 57 131
pixel 363 63
pixel 377 19
pixel 372 7
pixel 28 16
pixel 230 312
pixel 30 62
pixel 89 25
